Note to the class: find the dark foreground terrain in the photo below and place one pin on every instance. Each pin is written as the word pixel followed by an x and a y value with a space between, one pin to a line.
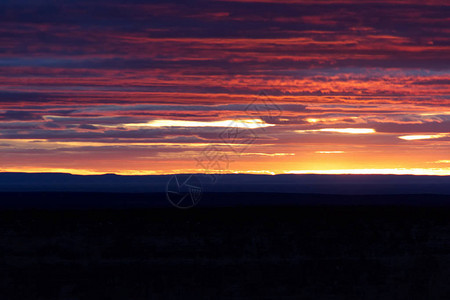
pixel 262 252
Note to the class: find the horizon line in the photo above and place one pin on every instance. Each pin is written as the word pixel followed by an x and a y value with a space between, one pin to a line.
pixel 300 172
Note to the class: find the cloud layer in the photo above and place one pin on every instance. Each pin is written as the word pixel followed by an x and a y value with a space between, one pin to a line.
pixel 133 87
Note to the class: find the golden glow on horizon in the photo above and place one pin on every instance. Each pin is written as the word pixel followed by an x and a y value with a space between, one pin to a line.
pixel 78 171
pixel 394 171
pixel 263 172
pixel 387 171
pixel 52 170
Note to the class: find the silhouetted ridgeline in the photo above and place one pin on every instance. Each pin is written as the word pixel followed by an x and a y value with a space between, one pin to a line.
pixel 310 184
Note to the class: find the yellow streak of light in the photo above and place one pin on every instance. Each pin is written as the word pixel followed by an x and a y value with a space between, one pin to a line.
pixel 341 130
pixel 40 143
pixel 349 130
pixel 266 154
pixel 312 120
pixel 329 152
pixel 423 136
pixel 247 123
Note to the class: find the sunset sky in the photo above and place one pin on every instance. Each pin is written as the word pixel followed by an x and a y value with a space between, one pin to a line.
pixel 251 86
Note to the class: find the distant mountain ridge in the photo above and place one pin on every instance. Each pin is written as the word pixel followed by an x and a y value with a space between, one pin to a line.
pixel 289 183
